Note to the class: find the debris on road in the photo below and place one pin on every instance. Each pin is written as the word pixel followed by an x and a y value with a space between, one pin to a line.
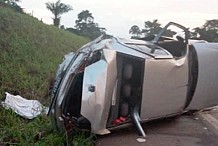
pixel 141 139
pixel 205 128
pixel 196 118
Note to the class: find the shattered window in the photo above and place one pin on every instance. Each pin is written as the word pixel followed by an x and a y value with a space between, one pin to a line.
pixel 95 56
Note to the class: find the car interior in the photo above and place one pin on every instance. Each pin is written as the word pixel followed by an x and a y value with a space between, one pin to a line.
pixel 177 47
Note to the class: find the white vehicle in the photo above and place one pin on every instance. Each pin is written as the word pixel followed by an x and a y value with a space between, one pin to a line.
pixel 110 83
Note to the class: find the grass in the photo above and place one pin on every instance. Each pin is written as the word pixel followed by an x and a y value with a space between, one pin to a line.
pixel 15 130
pixel 30 52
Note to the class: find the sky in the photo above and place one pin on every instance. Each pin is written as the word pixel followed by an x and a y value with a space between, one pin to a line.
pixel 117 16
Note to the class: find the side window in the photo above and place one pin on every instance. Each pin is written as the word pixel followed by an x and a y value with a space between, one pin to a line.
pixel 173 38
pixel 94 57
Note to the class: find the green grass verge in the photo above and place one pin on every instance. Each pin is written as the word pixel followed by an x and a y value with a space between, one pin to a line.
pixel 14 130
pixel 30 52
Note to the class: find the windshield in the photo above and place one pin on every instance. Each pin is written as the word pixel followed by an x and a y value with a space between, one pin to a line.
pixel 149 49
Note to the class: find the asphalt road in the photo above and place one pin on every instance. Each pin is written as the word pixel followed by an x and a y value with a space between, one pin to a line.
pixel 186 130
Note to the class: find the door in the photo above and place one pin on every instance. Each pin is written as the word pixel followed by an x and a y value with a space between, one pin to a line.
pixel 98 84
pixel 164 87
pixel 165 83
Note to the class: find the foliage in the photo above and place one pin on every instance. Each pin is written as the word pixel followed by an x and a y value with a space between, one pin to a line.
pixel 87 27
pixel 151 28
pixel 73 30
pixel 11 3
pixel 30 52
pixel 18 131
pixel 135 31
pixel 58 9
pixel 208 32
pixel 15 130
pixel 85 17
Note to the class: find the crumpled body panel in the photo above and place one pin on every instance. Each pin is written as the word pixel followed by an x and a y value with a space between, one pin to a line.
pixel 96 102
pixel 165 87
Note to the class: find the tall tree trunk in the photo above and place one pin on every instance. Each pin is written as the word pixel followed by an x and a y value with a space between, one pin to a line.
pixel 56 21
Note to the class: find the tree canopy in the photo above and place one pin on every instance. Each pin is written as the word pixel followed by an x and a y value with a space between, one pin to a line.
pixel 13 4
pixel 135 31
pixel 85 17
pixel 208 32
pixel 57 10
pixel 86 26
pixel 151 27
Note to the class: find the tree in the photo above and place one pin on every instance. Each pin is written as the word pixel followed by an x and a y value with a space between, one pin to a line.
pixel 151 28
pixel 73 30
pixel 135 31
pixel 211 24
pixel 208 32
pixel 85 17
pixel 13 4
pixel 58 9
pixel 87 27
pixel 9 1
